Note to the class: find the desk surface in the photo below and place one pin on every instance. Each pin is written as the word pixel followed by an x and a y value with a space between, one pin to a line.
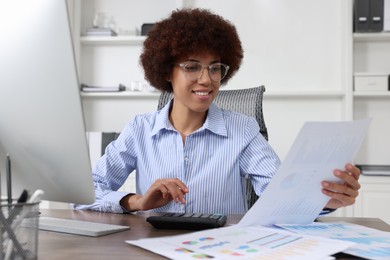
pixel 53 245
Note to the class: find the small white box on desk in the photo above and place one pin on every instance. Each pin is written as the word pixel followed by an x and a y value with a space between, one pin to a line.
pixel 371 82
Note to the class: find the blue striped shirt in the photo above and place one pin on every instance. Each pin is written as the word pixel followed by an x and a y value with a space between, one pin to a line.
pixel 212 162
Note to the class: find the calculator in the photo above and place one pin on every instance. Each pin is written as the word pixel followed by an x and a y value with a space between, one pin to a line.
pixel 189 221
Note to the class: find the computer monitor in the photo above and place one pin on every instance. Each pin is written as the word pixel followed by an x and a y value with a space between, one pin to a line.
pixel 41 120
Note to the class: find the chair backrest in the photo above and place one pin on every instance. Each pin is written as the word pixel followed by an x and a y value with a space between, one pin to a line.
pixel 248 101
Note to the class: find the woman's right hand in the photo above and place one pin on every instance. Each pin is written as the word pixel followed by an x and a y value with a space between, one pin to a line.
pixel 159 194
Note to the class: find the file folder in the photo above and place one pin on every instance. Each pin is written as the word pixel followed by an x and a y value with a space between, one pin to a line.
pixel 376 15
pixel 361 15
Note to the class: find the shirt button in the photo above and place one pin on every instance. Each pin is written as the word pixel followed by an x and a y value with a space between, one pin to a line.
pixel 186 159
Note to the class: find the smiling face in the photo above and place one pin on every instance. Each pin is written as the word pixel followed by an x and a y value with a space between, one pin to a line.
pixel 194 95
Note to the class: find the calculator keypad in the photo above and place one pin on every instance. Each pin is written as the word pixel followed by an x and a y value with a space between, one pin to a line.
pixel 190 221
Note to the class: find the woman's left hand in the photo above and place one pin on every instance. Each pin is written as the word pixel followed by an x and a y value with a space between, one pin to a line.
pixel 345 193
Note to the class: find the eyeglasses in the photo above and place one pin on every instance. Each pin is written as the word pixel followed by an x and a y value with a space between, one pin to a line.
pixel 194 70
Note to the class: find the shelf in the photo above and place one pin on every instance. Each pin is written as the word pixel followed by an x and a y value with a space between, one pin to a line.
pixel 122 94
pixel 365 37
pixel 383 73
pixel 377 94
pixel 374 179
pixel 304 93
pixel 112 40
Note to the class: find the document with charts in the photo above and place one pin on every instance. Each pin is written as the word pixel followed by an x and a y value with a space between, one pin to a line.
pixel 235 242
pixel 370 243
pixel 294 194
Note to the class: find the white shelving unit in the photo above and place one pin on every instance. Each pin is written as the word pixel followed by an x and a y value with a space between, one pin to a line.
pixel 371 56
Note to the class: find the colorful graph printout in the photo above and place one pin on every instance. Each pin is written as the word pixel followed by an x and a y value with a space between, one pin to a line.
pixel 370 243
pixel 236 242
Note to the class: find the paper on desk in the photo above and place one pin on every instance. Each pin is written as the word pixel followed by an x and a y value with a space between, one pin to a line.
pixel 294 195
pixel 370 243
pixel 237 242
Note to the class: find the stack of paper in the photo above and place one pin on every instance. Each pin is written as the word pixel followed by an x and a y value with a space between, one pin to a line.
pixel 96 31
pixel 86 88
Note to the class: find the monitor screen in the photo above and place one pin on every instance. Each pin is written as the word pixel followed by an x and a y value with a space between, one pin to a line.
pixel 41 119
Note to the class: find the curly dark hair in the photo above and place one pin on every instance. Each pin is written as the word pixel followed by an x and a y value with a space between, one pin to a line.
pixel 185 32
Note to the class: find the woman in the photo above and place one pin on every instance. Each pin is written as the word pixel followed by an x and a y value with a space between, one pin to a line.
pixel 192 156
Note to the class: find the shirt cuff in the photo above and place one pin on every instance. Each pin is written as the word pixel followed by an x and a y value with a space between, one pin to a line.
pixel 113 199
pixel 326 211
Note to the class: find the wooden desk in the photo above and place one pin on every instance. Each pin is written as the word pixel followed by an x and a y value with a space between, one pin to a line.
pixel 53 245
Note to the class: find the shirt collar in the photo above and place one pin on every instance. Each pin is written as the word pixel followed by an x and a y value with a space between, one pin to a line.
pixel 162 119
pixel 214 122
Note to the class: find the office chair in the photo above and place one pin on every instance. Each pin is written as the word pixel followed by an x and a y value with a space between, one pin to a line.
pixel 246 101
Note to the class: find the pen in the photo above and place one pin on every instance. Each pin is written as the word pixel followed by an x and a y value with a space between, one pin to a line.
pixel 9 182
pixel 36 196
pixel 22 199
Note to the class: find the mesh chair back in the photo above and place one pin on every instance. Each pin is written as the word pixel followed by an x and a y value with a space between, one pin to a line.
pixel 248 101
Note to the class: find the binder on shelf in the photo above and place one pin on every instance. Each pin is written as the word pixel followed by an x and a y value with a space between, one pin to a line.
pixel 368 15
pixel 376 15
pixel 361 15
pixel 145 28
